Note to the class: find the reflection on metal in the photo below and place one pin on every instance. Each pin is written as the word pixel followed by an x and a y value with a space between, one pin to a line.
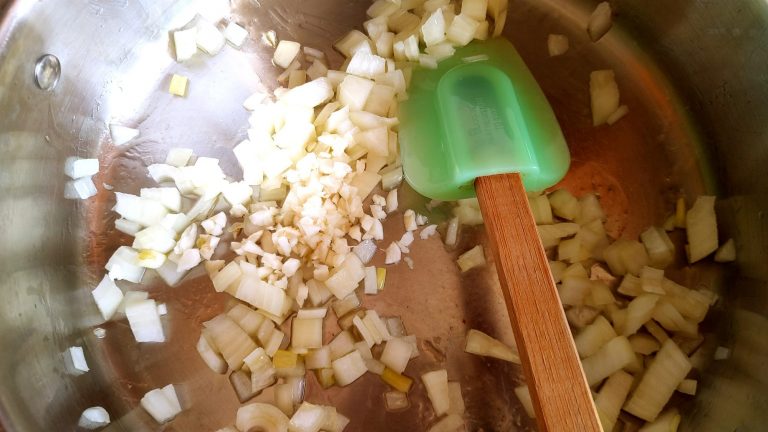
pixel 47 72
pixel 54 250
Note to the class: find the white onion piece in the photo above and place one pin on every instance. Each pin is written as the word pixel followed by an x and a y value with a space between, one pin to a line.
pixel 701 228
pixel 726 252
pixel 261 295
pixel 208 38
pixel 428 231
pixel 611 357
pixel 452 233
pixel 354 91
pixel 307 333
pixel 132 297
pixel 169 273
pixel 107 297
pixel 658 384
pixel 524 395
pixel 345 278
pixel 82 188
pixel 600 21
pixel 122 134
pixel 127 227
pixel 396 355
pixel 617 115
pixel 308 418
pixel 479 343
pixel 123 265
pixel 140 210
pixel 433 30
pixel 77 168
pixel 611 398
pixel 261 417
pixel 393 254
pixel 162 404
pixel 211 358
pixel 436 383
pixel 449 423
pixel 285 53
pixel 156 238
pixel 167 196
pixel 188 260
pixel 371 287
pixel 93 418
pixel 604 96
pixel 185 43
pixel 235 34
pixel 348 368
pixel 557 45
pixel 77 360
pixel 471 259
pixel 145 321
pixel 395 400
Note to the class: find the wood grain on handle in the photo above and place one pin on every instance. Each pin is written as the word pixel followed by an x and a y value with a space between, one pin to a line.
pixel 560 394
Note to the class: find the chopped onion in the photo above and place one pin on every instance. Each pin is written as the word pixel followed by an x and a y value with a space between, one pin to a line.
pixel 393 254
pixel 208 38
pixel 589 340
pixel 524 395
pixel 345 278
pixel 308 418
pixel 262 370
pixel 557 44
pixel 123 265
pixel 144 320
pixel 604 95
pixel 688 386
pixel 479 343
pixel 122 134
pixel 211 358
pixel 611 397
pixel 701 228
pixel 661 250
pixel 107 297
pixel 659 382
pixel 462 30
pixel 611 357
pixel 348 368
pixel 162 404
pixel 370 281
pixel 391 178
pixel 433 30
pixel 77 168
pixel 82 188
pixel 396 354
pixel 307 333
pixel 617 115
pixel 261 417
pixel 396 400
pixel 235 34
pixel 185 43
pixel 436 383
pixel 93 418
pixel 77 361
pixel 178 85
pixel 452 233
pixel 600 21
pixel 471 259
pixel 651 280
pixel 727 252
pixel 229 339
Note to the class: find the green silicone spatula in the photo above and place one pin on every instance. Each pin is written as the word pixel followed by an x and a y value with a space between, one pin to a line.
pixel 480 125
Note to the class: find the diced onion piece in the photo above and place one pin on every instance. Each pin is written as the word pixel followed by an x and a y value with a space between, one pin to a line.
pixel 701 228
pixel 178 157
pixel 396 400
pixel 668 421
pixel 150 259
pixel 366 65
pixel 564 204
pixel 189 259
pixel 162 404
pixel 285 53
pixel 497 9
pixel 227 277
pixel 82 188
pixel 77 360
pixel 625 256
pixel 611 357
pixel 449 423
pixel 393 254
pixel 211 358
pixel 557 44
pixel 93 418
pixel 397 381
pixel 308 418
pixel 122 134
pixel 127 227
pixel 352 42
pixel 668 369
pixel 230 340
pixel 391 178
pixel 475 9
pixel 107 297
pixel 354 92
pixel 600 21
pixel 144 320
pixel 688 387
pixel 604 95
pixel 140 210
pixel 479 343
pixel 611 397
pixel 235 34
pixel 433 30
pixel 178 85
pixel 318 359
pixel 345 278
pixel 396 354
pixel 262 371
pixel 661 250
pixel 77 168
pixel 727 252
pixel 311 94
pixel 261 417
pixel 471 259
pixel 341 345
pixel 617 115
pixel 370 281
pixel 436 383
pixel 452 232
pixel 348 368
pixel 462 30
pixel 185 43
pixel 307 333
pixel 589 340
pixel 524 395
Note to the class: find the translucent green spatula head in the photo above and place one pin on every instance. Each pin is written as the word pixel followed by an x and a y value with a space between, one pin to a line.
pixel 480 113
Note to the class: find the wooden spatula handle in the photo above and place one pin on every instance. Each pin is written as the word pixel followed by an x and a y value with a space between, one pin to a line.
pixel 560 394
